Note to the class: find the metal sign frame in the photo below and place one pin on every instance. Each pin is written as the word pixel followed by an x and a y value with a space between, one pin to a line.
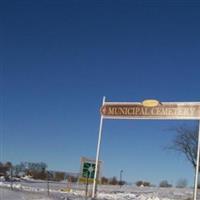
pixel 84 178
pixel 135 110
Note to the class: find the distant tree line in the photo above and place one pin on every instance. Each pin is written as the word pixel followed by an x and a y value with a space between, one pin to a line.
pixel 5 169
pixel 39 171
pixel 181 183
pixel 34 170
pixel 111 181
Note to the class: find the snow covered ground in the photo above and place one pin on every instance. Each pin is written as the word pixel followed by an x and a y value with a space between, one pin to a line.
pixel 38 191
pixel 7 194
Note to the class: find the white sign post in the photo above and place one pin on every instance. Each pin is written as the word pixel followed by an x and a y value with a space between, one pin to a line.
pixel 149 109
pixel 97 155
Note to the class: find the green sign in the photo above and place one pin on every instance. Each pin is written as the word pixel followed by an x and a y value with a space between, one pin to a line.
pixel 88 170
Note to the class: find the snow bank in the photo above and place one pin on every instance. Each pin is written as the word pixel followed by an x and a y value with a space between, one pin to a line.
pixel 104 192
pixel 128 196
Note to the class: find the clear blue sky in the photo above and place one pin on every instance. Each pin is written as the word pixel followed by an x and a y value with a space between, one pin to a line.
pixel 59 58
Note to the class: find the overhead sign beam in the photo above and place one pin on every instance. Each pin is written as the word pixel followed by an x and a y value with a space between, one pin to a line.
pixel 182 111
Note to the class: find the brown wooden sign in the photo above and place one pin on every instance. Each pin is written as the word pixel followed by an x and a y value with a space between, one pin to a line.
pixel 163 111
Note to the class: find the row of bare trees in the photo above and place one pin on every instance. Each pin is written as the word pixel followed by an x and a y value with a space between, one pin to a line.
pixel 111 181
pixel 5 169
pixel 35 170
pixel 181 183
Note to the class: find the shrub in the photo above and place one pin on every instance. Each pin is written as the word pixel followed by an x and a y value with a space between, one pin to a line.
pixel 165 183
pixel 143 183
pixel 113 181
pixel 104 180
pixel 182 183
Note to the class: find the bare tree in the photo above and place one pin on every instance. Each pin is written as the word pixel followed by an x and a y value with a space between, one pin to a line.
pixel 185 142
pixel 182 183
